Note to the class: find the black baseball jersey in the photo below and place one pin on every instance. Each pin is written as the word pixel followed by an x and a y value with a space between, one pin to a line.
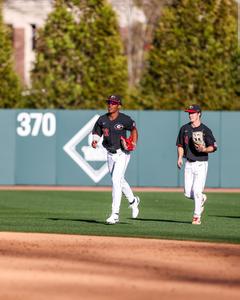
pixel 113 130
pixel 185 140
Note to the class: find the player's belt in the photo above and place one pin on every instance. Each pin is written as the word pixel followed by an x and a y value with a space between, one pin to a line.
pixel 191 160
pixel 113 151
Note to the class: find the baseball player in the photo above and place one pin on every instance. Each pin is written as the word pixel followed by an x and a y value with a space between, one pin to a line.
pixel 113 126
pixel 195 140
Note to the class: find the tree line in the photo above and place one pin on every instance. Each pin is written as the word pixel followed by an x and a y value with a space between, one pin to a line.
pixel 193 57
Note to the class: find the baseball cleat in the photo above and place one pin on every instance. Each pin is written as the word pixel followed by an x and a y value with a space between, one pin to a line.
pixel 113 219
pixel 134 207
pixel 196 220
pixel 204 199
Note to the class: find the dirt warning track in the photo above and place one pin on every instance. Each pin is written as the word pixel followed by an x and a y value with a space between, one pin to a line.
pixel 50 266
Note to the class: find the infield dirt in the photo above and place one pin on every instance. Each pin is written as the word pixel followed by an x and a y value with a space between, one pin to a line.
pixel 49 266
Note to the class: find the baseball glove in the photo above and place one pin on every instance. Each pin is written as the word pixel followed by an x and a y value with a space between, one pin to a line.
pixel 127 143
pixel 198 140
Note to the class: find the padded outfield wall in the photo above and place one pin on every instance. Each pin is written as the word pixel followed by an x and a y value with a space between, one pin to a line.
pixel 52 147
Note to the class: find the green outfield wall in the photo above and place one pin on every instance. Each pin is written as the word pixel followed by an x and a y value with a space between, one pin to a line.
pixel 52 147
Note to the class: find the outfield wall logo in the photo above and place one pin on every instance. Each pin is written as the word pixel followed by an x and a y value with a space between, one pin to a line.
pixel 89 154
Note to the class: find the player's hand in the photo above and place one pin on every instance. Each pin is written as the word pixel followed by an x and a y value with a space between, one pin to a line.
pixel 180 163
pixel 94 144
pixel 200 148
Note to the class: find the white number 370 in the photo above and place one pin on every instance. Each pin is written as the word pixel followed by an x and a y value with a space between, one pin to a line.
pixel 32 123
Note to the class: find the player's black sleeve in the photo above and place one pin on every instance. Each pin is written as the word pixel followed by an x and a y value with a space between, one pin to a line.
pixel 97 129
pixel 210 139
pixel 129 124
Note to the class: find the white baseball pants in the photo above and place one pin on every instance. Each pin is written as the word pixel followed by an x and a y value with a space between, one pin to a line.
pixel 195 174
pixel 117 165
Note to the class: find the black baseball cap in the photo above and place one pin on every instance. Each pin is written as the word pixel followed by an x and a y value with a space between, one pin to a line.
pixel 114 99
pixel 194 108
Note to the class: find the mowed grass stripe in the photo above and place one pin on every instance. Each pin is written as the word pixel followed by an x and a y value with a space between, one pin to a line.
pixel 163 215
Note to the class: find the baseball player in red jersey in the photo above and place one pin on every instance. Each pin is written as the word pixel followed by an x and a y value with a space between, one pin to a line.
pixel 113 126
pixel 195 140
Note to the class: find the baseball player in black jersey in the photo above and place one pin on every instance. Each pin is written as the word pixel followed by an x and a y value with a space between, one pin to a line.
pixel 113 126
pixel 195 140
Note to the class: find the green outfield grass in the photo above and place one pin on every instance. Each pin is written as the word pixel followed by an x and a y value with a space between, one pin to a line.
pixel 162 215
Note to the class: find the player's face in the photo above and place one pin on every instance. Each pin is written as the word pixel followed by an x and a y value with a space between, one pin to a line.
pixel 112 107
pixel 194 117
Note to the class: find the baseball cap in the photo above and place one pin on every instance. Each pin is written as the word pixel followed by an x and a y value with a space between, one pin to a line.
pixel 193 108
pixel 114 99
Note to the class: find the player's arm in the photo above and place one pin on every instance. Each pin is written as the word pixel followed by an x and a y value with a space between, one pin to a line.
pixel 134 136
pixel 180 152
pixel 202 148
pixel 211 145
pixel 96 134
pixel 180 149
pixel 129 144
